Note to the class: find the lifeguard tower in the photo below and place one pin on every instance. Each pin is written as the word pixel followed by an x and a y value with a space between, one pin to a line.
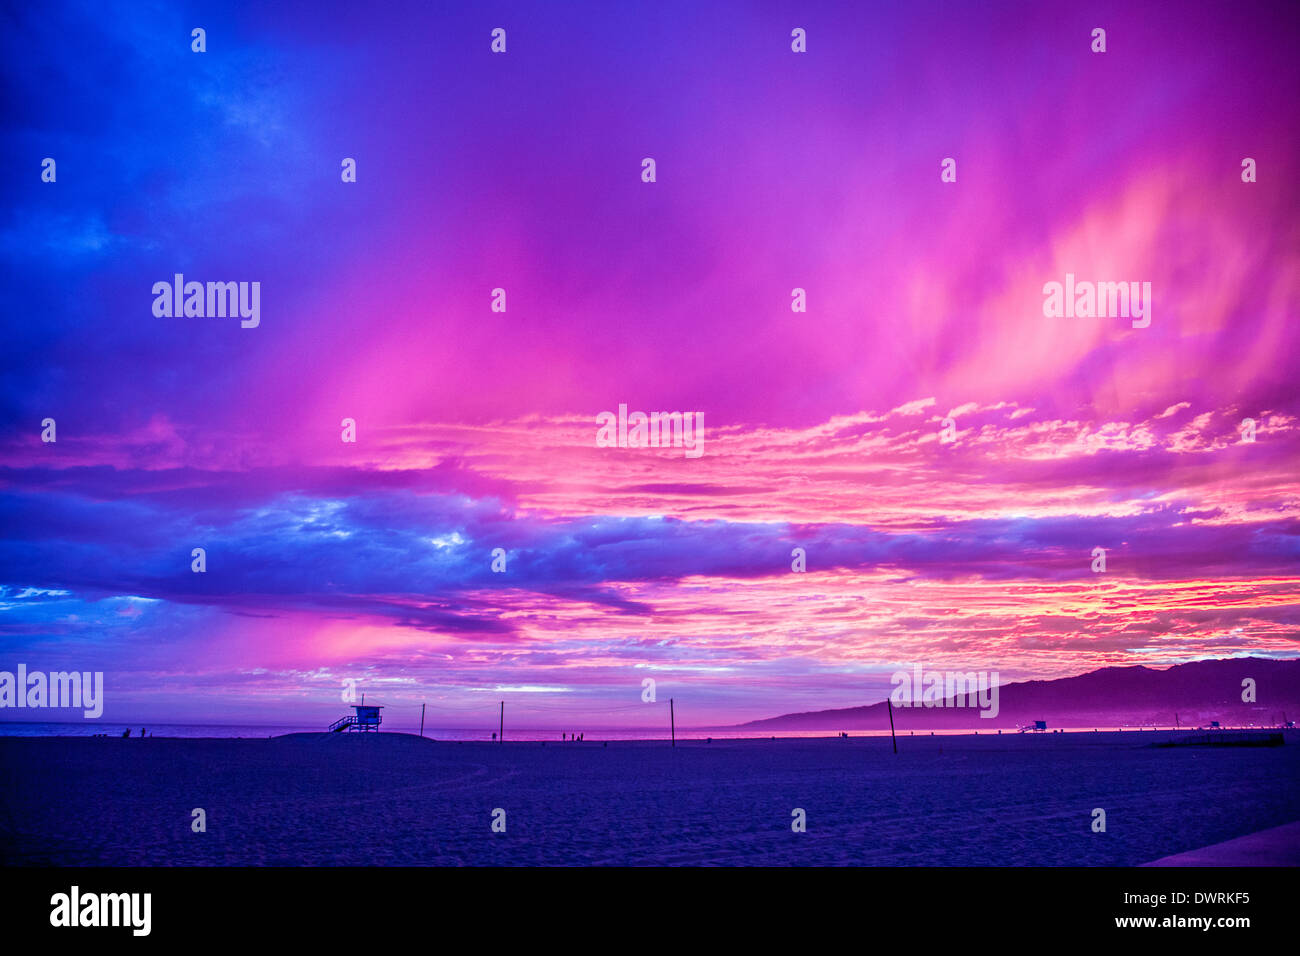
pixel 366 718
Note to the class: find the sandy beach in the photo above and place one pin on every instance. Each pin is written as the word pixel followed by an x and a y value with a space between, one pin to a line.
pixel 1277 846
pixel 380 799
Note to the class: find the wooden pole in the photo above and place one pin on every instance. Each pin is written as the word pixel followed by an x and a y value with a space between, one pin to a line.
pixel 672 717
pixel 502 728
pixel 422 720
pixel 891 724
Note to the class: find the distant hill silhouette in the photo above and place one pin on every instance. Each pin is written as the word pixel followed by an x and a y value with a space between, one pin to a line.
pixel 1199 692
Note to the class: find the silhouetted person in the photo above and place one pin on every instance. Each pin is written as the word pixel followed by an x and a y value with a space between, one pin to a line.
pixel 142 733
pixel 127 732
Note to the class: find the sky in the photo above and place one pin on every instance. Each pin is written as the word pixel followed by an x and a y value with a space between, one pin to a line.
pixel 371 561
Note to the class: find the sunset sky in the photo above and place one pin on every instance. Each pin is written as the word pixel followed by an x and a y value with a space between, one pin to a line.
pixel 476 429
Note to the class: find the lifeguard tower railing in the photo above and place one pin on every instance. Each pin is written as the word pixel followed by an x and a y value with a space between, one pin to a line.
pixel 365 719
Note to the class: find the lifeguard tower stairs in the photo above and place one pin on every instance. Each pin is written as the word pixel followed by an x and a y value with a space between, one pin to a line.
pixel 366 718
